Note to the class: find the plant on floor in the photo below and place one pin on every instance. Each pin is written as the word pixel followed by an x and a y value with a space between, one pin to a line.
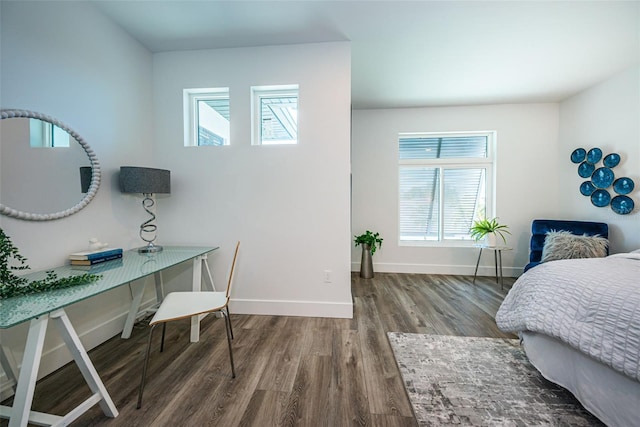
pixel 368 238
pixel 12 285
pixel 482 227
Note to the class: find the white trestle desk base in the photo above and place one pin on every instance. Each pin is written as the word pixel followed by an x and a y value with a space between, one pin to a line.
pixel 50 306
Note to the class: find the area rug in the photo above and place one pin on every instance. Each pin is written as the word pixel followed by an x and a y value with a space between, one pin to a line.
pixel 471 381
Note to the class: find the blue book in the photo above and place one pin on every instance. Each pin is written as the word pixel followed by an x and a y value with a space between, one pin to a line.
pixel 99 267
pixel 96 260
pixel 91 255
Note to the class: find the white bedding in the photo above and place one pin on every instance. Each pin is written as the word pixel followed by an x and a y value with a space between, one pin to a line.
pixel 591 304
pixel 609 395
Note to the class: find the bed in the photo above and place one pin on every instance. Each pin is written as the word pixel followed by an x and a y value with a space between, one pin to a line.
pixel 579 321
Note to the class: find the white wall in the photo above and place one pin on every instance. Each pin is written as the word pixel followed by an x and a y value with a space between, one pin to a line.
pixel 67 60
pixel 289 205
pixel 606 116
pixel 526 182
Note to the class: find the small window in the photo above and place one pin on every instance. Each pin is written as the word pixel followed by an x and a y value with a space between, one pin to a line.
pixel 206 117
pixel 445 184
pixel 275 115
pixel 46 135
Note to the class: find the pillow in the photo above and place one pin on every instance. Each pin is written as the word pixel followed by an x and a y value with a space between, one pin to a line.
pixel 565 245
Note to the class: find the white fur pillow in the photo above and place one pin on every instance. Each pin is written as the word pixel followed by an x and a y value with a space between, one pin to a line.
pixel 565 245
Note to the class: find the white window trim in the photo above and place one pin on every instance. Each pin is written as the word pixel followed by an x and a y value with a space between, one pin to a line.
pixel 190 99
pixel 259 92
pixel 487 163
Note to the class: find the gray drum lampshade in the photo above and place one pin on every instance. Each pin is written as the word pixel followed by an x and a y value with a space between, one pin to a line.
pixel 135 179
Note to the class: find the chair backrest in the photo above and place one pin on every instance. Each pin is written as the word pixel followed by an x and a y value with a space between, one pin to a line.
pixel 233 269
pixel 540 228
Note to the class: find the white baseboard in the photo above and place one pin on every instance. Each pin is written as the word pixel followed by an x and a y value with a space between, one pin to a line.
pixel 6 390
pixel 292 308
pixel 462 270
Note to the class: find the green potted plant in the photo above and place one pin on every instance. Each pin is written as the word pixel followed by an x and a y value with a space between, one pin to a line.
pixel 12 285
pixel 488 229
pixel 370 243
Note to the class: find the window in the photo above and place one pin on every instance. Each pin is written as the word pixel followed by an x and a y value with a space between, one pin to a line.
pixel 274 115
pixel 46 135
pixel 206 117
pixel 445 184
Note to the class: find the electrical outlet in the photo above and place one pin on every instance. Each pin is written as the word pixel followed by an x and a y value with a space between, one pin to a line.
pixel 327 276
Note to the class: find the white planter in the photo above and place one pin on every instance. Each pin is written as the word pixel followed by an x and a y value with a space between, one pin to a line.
pixel 491 239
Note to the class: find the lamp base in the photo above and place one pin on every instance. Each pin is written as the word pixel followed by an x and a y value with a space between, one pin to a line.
pixel 150 248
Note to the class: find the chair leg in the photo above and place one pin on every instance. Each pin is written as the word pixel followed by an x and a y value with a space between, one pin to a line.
pixel 229 316
pixel 227 323
pixel 144 368
pixel 164 329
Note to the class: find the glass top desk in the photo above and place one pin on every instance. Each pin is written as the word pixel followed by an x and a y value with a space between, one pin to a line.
pixel 39 308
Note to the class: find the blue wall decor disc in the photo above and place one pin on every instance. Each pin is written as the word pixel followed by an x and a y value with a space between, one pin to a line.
pixel 578 155
pixel 623 185
pixel 602 177
pixel 587 188
pixel 585 170
pixel 600 198
pixel 622 205
pixel 611 160
pixel 594 155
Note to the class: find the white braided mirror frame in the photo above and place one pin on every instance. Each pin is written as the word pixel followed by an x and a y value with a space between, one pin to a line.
pixel 95 166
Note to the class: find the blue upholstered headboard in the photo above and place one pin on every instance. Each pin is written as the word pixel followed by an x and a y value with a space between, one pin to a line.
pixel 540 227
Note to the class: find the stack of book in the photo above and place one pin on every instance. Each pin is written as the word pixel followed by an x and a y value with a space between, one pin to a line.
pixel 95 257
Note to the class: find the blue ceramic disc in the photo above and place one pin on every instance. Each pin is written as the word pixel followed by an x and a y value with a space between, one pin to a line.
pixel 602 177
pixel 578 155
pixel 623 185
pixel 611 160
pixel 594 155
pixel 600 198
pixel 622 205
pixel 587 188
pixel 585 170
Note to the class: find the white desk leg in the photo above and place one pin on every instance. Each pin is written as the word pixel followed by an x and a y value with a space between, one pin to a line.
pixel 81 357
pixel 28 372
pixel 137 288
pixel 9 366
pixel 196 286
pixel 159 286
pixel 209 275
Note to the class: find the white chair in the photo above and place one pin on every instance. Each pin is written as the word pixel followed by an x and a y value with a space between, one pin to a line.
pixel 181 305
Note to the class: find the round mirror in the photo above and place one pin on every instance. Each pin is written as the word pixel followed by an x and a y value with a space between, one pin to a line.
pixel 47 171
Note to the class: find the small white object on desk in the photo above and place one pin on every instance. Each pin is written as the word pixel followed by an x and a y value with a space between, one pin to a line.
pixel 96 245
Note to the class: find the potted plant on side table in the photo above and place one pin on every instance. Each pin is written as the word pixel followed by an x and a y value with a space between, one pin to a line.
pixel 488 229
pixel 370 242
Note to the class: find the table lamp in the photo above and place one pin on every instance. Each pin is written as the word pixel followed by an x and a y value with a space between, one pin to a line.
pixel 147 181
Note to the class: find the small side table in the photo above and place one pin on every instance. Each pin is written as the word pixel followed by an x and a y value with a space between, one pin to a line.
pixel 497 254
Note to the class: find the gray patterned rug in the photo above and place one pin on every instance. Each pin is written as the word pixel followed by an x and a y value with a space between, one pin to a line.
pixel 480 382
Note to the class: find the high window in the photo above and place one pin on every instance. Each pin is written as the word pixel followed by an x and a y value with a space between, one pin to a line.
pixel 446 183
pixel 206 117
pixel 275 115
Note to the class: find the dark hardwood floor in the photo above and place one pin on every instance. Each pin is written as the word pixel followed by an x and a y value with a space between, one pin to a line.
pixel 290 370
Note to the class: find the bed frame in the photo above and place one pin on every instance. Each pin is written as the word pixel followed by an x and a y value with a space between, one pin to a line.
pixel 608 394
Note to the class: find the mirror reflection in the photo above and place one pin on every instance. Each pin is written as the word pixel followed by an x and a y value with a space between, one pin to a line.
pixel 39 166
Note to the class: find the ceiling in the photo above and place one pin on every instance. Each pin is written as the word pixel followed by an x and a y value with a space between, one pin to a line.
pixel 416 53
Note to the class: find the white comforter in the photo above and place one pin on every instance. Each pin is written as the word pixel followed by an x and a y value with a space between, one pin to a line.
pixel 591 304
